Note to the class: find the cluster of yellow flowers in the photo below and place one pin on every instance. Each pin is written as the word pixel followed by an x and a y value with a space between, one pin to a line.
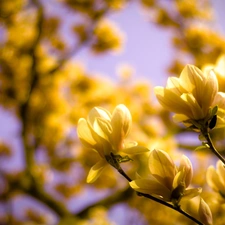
pixel 166 180
pixel 193 96
pixel 107 37
pixel 195 99
pixel 105 133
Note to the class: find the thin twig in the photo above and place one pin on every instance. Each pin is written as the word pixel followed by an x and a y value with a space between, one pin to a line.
pixel 176 208
pixel 212 147
pixel 34 188
pixel 205 132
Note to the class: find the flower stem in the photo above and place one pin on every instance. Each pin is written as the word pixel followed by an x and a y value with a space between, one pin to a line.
pixel 178 209
pixel 206 134
pixel 117 166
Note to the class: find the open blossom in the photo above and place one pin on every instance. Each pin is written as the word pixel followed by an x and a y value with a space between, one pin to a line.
pixel 192 95
pixel 166 181
pixel 105 133
pixel 216 179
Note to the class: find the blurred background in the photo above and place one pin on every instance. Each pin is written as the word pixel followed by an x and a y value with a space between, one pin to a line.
pixel 60 58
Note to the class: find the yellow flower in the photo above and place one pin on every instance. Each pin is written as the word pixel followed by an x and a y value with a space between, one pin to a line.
pixel 205 213
pixel 199 209
pixel 216 178
pixel 107 37
pixel 166 181
pixel 192 95
pixel 105 133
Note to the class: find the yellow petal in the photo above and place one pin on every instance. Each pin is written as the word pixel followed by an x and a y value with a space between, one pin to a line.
pixel 209 91
pixel 135 150
pixel 121 124
pixel 84 134
pixel 221 170
pixel 103 128
pixel 102 144
pixel 192 79
pixel 186 166
pixel 221 174
pixel 98 112
pixel 179 179
pixel 130 144
pixel 174 85
pixel 220 119
pixel 220 66
pixel 171 101
pixel 204 213
pixel 96 170
pixel 219 100
pixel 194 108
pixel 213 179
pixel 152 187
pixel 191 193
pixel 162 167
pixel 180 118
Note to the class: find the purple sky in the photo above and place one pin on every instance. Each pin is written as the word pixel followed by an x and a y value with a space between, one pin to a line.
pixel 147 48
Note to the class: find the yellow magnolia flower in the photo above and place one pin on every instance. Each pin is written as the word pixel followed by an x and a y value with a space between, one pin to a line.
pixel 216 179
pixel 166 181
pixel 192 95
pixel 199 209
pixel 105 133
pixel 205 213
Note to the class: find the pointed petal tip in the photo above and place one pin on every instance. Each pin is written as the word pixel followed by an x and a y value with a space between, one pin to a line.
pixel 96 171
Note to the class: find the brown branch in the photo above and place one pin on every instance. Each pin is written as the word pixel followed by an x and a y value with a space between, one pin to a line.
pixel 213 149
pixel 23 183
pixel 38 193
pixel 34 188
pixel 33 71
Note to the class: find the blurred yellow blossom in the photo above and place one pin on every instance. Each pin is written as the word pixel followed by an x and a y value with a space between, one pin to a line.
pixel 192 95
pixel 216 179
pixel 219 69
pixel 125 71
pixel 191 8
pixel 105 133
pixel 220 66
pixel 5 150
pixel 117 4
pixel 165 180
pixel 107 37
